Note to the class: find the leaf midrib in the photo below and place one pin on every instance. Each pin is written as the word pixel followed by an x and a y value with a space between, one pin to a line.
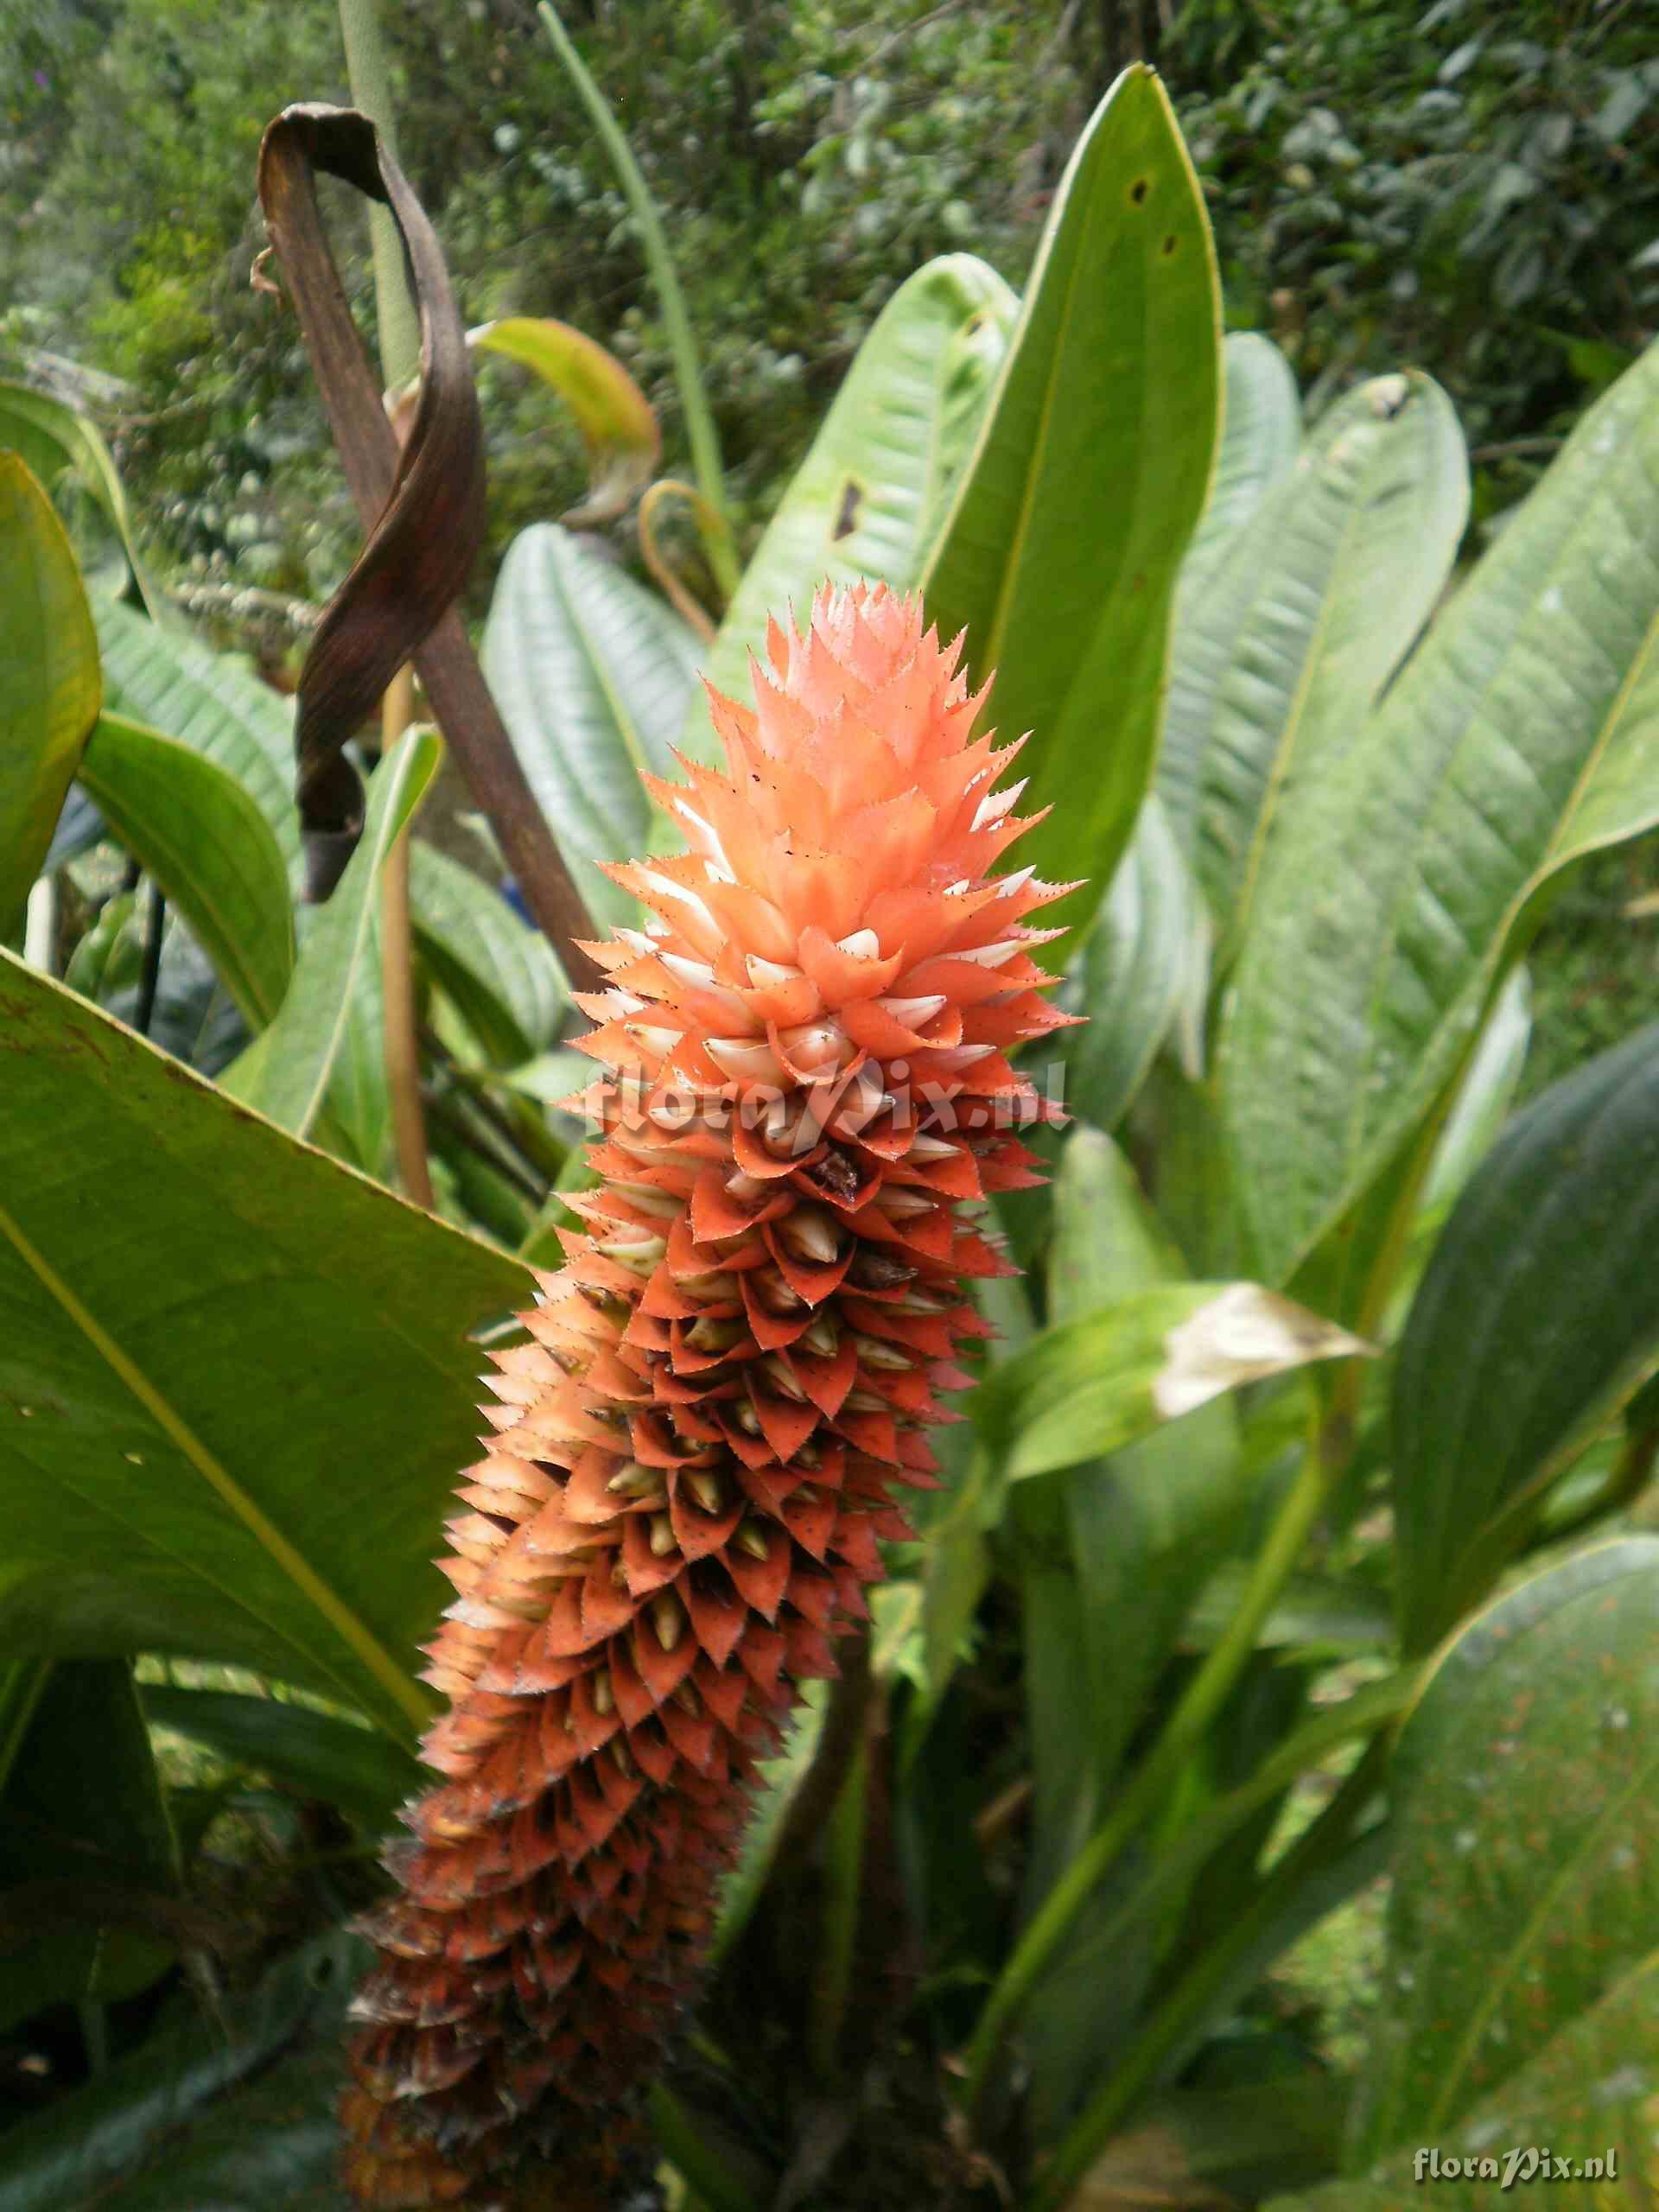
pixel 361 1640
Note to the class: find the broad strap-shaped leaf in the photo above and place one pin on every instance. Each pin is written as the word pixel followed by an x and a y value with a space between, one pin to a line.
pixel 315 1754
pixel 1525 1882
pixel 325 1043
pixel 618 425
pixel 1485 1095
pixel 208 702
pixel 871 495
pixel 117 2137
pixel 1093 1384
pixel 49 688
pixel 1109 1556
pixel 89 1873
pixel 1060 556
pixel 56 440
pixel 1303 618
pixel 234 1386
pixel 501 973
pixel 1537 1315
pixel 1260 434
pixel 1133 974
pixel 202 838
pixel 1522 734
pixel 1573 2125
pixel 1316 1615
pixel 593 674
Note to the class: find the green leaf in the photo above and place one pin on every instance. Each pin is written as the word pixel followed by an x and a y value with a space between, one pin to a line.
pixel 870 496
pixel 94 964
pixel 617 426
pixel 199 834
pixel 88 1868
pixel 1314 1614
pixel 501 973
pixel 136 2136
pixel 207 702
pixel 780 1779
pixel 1062 549
pixel 23 1682
pixel 592 675
pixel 1110 1557
pixel 49 688
pixel 1523 734
pixel 53 440
pixel 1094 1384
pixel 552 1077
pixel 1260 436
pixel 319 1754
pixel 1305 616
pixel 1261 433
pixel 325 1043
pixel 1485 1095
pixel 956 1568
pixel 233 1381
pixel 1134 972
pixel 1586 2099
pixel 1537 1315
pixel 1525 1881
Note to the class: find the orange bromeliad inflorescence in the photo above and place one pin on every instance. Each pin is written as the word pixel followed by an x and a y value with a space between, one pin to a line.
pixel 805 1074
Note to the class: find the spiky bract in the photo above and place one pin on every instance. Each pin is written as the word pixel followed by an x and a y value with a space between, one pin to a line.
pixel 804 1075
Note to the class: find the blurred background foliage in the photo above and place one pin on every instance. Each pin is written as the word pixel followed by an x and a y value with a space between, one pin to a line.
pixel 1468 186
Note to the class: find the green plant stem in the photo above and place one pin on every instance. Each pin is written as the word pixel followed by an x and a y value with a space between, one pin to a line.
pixel 699 420
pixel 1319 1848
pixel 487 1142
pixel 369 76
pixel 1369 1712
pixel 708 2174
pixel 95 2035
pixel 516 1120
pixel 21 1682
pixel 1203 1699
pixel 844 1853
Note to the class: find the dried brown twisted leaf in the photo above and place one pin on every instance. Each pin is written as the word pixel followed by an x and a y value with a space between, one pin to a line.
pixel 423 512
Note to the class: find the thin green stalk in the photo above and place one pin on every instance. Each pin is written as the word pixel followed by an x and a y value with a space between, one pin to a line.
pixel 511 1114
pixel 396 322
pixel 95 2035
pixel 1205 1696
pixel 710 2178
pixel 1369 1712
pixel 21 1682
pixel 699 420
pixel 845 1856
pixel 1191 1997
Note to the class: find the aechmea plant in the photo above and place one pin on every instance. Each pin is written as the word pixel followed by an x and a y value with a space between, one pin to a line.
pixel 805 1075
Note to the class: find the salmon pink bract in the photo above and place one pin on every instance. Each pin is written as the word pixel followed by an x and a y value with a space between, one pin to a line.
pixel 804 1073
